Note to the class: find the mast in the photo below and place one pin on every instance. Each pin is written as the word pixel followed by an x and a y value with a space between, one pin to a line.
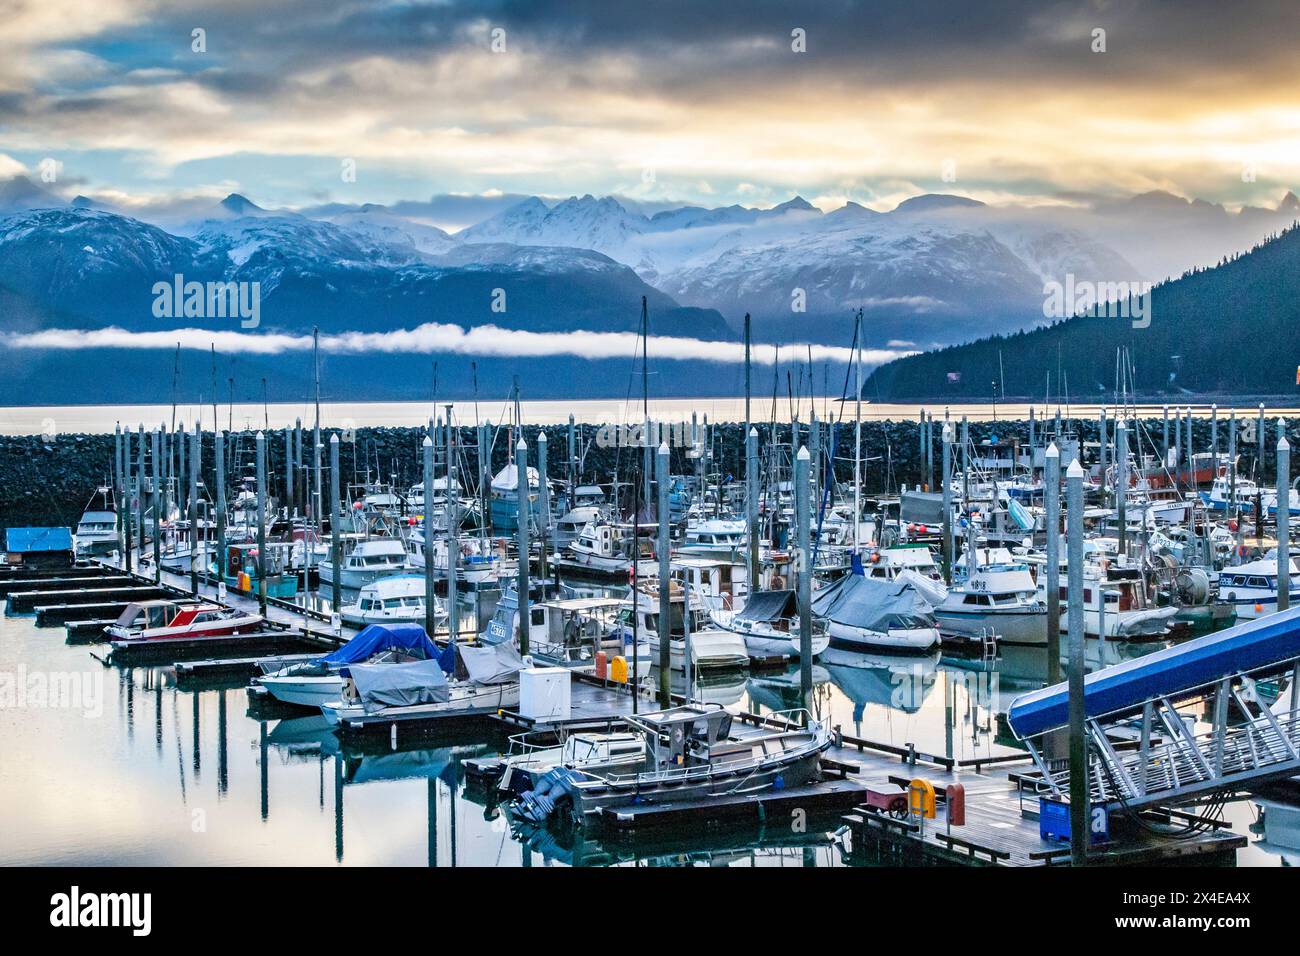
pixel 857 437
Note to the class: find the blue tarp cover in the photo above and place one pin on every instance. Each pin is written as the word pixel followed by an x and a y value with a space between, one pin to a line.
pixel 383 637
pixel 26 540
pixel 1173 672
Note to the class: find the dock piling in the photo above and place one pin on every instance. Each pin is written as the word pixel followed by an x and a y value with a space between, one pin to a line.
pixel 1078 742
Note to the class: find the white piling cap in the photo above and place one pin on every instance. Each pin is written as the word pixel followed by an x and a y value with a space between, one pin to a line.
pixel 1075 470
pixel 753 432
pixel 663 448
pixel 1052 451
pixel 803 453
pixel 1283 444
pixel 541 437
pixel 428 442
pixel 521 443
pixel 334 439
pixel 261 437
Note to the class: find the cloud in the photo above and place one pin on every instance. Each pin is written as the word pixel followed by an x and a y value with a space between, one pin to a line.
pixel 432 338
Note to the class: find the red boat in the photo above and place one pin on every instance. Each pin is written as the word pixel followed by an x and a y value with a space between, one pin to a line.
pixel 170 620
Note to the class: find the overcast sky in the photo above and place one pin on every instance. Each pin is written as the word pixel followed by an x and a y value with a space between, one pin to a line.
pixel 695 101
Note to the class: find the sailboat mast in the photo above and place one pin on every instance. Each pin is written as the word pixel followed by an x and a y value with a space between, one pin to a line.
pixel 857 437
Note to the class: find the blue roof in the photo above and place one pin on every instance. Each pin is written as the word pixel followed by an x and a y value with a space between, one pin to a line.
pixel 26 540
pixel 1175 672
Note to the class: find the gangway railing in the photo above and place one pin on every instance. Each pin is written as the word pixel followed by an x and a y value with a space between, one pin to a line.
pixel 1248 743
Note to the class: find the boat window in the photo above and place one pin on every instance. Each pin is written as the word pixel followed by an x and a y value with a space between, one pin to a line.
pixel 392 602
pixel 538 616
pixel 1257 582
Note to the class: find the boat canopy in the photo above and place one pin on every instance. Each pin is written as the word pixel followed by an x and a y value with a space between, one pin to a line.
pixel 507 479
pixel 490 664
pixel 1176 672
pixel 769 606
pixel 383 637
pixel 872 603
pixel 400 685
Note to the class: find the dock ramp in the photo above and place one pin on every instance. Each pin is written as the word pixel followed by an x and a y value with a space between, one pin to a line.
pixel 1248 743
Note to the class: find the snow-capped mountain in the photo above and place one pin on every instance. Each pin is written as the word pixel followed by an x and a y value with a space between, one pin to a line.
pixel 379 225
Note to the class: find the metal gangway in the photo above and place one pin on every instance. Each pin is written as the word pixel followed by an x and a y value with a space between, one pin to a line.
pixel 1249 743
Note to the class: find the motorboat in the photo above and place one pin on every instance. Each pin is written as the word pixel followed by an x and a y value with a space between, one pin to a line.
pixel 476 562
pixel 1115 602
pixel 1001 599
pixel 319 681
pixel 714 538
pixel 869 612
pixel 710 646
pixel 532 755
pixel 393 600
pixel 169 621
pixel 567 632
pixel 96 533
pixel 482 680
pixel 690 755
pixel 367 561
pixel 1251 588
pixel 505 497
pixel 769 624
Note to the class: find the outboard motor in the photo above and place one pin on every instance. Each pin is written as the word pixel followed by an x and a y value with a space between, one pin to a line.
pixel 553 792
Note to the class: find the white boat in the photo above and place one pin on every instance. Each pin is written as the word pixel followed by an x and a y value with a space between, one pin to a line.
pixel 866 612
pixel 394 600
pixel 769 624
pixel 96 534
pixel 714 538
pixel 369 560
pixel 1251 588
pixel 319 681
pixel 527 760
pixel 422 691
pixel 608 547
pixel 571 523
pixel 1001 598
pixel 145 621
pixel 476 562
pixel 710 646
pixel 1115 604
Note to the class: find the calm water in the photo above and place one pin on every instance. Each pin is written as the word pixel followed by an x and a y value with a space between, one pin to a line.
pixel 78 419
pixel 147 773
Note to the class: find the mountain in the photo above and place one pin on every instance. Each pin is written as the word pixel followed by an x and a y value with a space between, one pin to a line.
pixel 1234 328
pixel 76 268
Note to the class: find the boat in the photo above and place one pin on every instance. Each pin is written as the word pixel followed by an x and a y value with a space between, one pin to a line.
pixel 1001 598
pixel 868 612
pixel 423 690
pixel 1251 588
pixel 534 754
pixel 608 547
pixel 164 620
pixel 714 538
pixel 505 498
pixel 476 562
pixel 319 681
pixel 769 624
pixel 241 570
pixel 570 524
pixel 1114 602
pixel 393 600
pixel 369 560
pixel 566 632
pixel 710 646
pixel 96 534
pixel 689 756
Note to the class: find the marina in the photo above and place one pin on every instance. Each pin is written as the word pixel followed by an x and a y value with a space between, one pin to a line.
pixel 809 696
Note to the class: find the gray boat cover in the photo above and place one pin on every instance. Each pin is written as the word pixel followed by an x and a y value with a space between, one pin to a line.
pixel 399 685
pixel 871 603
pixel 769 606
pixel 490 664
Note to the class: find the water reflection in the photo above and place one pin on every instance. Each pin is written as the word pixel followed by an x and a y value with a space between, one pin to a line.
pixel 176 773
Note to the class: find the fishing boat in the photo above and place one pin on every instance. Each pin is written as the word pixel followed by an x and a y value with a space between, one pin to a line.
pixel 241 569
pixel 319 681
pixel 369 560
pixel 393 600
pixel 866 612
pixel 689 756
pixel 570 524
pixel 505 497
pixel 476 562
pixel 1115 602
pixel 609 548
pixel 167 621
pixel 1001 598
pixel 483 680
pixel 769 624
